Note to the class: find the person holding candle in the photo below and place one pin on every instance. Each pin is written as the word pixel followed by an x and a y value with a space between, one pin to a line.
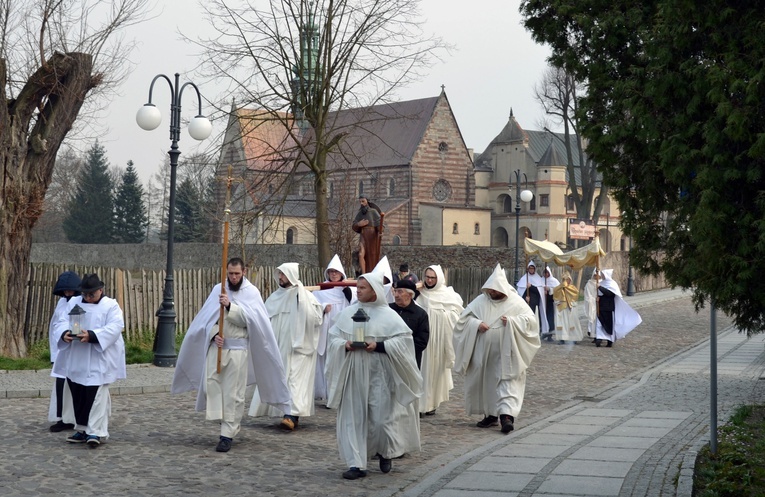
pixel 374 387
pixel 90 359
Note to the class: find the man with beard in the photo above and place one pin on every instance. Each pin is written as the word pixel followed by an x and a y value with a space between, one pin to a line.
pixel 375 387
pixel 444 307
pixel 367 225
pixel 249 355
pixel 296 318
pixel 495 339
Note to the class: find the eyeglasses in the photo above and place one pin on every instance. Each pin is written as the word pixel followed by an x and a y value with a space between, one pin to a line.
pixel 90 295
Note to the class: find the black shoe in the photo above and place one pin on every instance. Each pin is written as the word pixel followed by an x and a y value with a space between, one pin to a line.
pixel 597 342
pixel 385 465
pixel 224 445
pixel 610 344
pixel 487 422
pixel 431 413
pixel 61 426
pixel 354 474
pixel 507 423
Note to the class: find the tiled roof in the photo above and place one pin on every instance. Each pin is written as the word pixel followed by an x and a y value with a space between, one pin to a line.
pixel 380 135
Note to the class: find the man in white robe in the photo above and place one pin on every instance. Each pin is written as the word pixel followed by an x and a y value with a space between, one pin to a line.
pixel 531 288
pixel 334 300
pixel 249 354
pixel 615 316
pixel 90 359
pixel 67 286
pixel 444 307
pixel 296 318
pixel 374 388
pixel 548 303
pixel 495 340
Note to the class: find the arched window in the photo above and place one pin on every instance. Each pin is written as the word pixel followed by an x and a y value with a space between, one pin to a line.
pixel 499 238
pixel 361 188
pixel 455 229
pixel 477 229
pixel 331 190
pixel 392 187
pixel 291 236
pixel 508 204
pixel 396 240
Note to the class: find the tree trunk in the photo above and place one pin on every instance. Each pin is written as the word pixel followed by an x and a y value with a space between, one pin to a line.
pixel 322 212
pixel 32 127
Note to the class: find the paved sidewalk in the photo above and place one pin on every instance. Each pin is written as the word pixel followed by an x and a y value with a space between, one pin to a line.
pixel 580 433
pixel 639 441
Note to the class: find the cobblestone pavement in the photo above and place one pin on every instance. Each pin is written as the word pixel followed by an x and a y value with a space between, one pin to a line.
pixel 160 446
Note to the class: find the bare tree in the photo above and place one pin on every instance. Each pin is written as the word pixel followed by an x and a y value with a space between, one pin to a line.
pixel 299 61
pixel 63 182
pixel 53 54
pixel 559 94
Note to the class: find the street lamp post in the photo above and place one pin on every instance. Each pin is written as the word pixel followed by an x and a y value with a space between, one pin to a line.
pixel 524 195
pixel 630 279
pixel 148 118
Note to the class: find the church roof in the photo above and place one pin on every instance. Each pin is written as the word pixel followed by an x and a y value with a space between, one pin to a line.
pixel 551 157
pixel 511 133
pixel 380 135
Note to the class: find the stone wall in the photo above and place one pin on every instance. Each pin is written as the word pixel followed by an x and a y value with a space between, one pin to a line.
pixel 195 255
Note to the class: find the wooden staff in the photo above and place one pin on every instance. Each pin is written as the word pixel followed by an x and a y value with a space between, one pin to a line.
pixel 224 265
pixel 330 284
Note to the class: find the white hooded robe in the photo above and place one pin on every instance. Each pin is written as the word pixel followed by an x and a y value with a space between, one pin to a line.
pixel 375 393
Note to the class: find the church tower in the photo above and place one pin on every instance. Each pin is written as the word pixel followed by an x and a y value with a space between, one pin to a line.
pixel 306 70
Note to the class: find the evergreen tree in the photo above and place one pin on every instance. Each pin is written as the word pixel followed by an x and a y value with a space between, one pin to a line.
pixel 675 115
pixel 188 213
pixel 91 209
pixel 130 217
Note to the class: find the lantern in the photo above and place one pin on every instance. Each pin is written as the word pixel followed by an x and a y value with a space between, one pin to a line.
pixel 360 319
pixel 75 320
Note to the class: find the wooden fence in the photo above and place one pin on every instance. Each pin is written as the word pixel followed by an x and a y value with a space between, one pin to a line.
pixel 139 293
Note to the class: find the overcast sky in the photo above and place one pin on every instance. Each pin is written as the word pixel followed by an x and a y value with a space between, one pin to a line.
pixel 493 69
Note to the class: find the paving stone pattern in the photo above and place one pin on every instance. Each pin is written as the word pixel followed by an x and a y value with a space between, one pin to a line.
pixel 160 446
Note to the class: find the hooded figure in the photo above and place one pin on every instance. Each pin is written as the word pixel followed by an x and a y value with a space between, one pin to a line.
pixel 444 306
pixel 296 318
pixel 333 300
pixel 66 287
pixel 615 316
pixel 495 339
pixel 383 268
pixel 374 388
pixel 531 288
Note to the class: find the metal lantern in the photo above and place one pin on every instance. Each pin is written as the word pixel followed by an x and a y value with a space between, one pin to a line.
pixel 75 320
pixel 360 320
